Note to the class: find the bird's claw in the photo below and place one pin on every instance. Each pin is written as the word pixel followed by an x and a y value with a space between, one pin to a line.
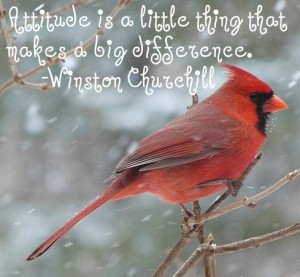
pixel 233 186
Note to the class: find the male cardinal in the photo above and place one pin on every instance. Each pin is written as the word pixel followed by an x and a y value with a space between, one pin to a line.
pixel 197 154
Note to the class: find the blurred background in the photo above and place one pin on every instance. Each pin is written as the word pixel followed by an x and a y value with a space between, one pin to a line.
pixel 58 146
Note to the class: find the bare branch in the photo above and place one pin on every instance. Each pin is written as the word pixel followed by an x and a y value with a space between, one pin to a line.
pixel 245 202
pixel 201 236
pixel 41 86
pixel 195 100
pixel 209 261
pixel 187 234
pixel 7 37
pixel 193 259
pixel 212 265
pixel 254 242
pixel 174 253
pixel 100 31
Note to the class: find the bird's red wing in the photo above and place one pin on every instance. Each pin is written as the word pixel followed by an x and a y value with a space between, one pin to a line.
pixel 182 141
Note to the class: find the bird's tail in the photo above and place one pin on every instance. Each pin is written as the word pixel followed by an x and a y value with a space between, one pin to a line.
pixel 111 193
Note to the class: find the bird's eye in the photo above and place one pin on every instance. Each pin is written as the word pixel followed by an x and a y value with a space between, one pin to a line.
pixel 254 97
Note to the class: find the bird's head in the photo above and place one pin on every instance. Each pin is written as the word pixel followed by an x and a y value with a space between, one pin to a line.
pixel 252 96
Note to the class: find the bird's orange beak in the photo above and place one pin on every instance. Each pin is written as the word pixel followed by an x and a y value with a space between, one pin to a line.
pixel 274 104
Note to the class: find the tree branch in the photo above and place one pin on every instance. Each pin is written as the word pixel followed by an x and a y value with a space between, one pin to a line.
pixel 51 61
pixel 7 37
pixel 245 202
pixel 201 238
pixel 173 254
pixel 254 242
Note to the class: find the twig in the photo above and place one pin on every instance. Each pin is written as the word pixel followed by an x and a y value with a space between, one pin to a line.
pixel 193 259
pixel 253 242
pixel 51 61
pixel 245 202
pixel 195 100
pixel 212 265
pixel 175 252
pixel 201 237
pixel 187 234
pixel 7 37
pixel 211 259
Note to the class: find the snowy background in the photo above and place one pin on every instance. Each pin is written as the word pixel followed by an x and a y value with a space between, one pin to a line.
pixel 57 147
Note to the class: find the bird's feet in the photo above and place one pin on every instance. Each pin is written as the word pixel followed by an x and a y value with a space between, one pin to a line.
pixel 233 186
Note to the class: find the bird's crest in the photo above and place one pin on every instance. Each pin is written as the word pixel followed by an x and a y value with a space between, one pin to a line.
pixel 244 80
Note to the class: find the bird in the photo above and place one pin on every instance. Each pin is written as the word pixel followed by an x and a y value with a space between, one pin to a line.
pixel 198 154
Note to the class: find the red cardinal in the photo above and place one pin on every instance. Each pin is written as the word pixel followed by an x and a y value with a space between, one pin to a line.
pixel 195 155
